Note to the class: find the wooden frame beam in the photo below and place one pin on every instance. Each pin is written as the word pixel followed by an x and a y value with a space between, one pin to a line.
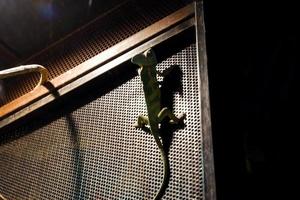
pixel 208 157
pixel 95 62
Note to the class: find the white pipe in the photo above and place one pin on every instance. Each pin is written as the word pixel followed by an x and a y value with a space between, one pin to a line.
pixel 25 69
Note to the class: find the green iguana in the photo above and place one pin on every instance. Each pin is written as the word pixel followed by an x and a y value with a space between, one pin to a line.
pixel 147 62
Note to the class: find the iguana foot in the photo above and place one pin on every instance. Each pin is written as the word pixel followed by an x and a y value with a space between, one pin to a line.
pixel 165 112
pixel 141 122
pixel 136 125
pixel 178 119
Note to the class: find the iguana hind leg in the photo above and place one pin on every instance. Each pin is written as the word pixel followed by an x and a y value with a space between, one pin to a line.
pixel 165 112
pixel 141 121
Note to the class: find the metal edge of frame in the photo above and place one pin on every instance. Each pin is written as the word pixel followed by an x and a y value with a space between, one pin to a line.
pixel 208 158
pixel 9 110
pixel 98 71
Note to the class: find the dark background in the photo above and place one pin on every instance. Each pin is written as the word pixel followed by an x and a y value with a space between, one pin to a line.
pixel 27 27
pixel 253 62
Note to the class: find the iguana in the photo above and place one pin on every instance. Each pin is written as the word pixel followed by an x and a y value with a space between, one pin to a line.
pixel 147 70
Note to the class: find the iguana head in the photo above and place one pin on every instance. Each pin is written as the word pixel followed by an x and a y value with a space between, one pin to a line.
pixel 147 58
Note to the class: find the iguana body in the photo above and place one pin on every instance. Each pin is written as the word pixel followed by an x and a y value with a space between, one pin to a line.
pixel 147 71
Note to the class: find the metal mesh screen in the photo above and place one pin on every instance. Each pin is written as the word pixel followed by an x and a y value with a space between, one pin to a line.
pixel 104 33
pixel 93 152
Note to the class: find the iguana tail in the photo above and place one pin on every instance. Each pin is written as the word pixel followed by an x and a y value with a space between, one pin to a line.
pixel 165 160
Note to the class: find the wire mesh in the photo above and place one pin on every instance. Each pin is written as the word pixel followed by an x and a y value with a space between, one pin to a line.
pixel 93 151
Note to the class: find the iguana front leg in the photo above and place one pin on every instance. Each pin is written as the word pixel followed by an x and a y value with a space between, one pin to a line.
pixel 165 112
pixel 141 121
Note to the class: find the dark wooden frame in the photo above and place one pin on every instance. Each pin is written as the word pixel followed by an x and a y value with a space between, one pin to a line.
pixel 25 102
pixel 209 172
